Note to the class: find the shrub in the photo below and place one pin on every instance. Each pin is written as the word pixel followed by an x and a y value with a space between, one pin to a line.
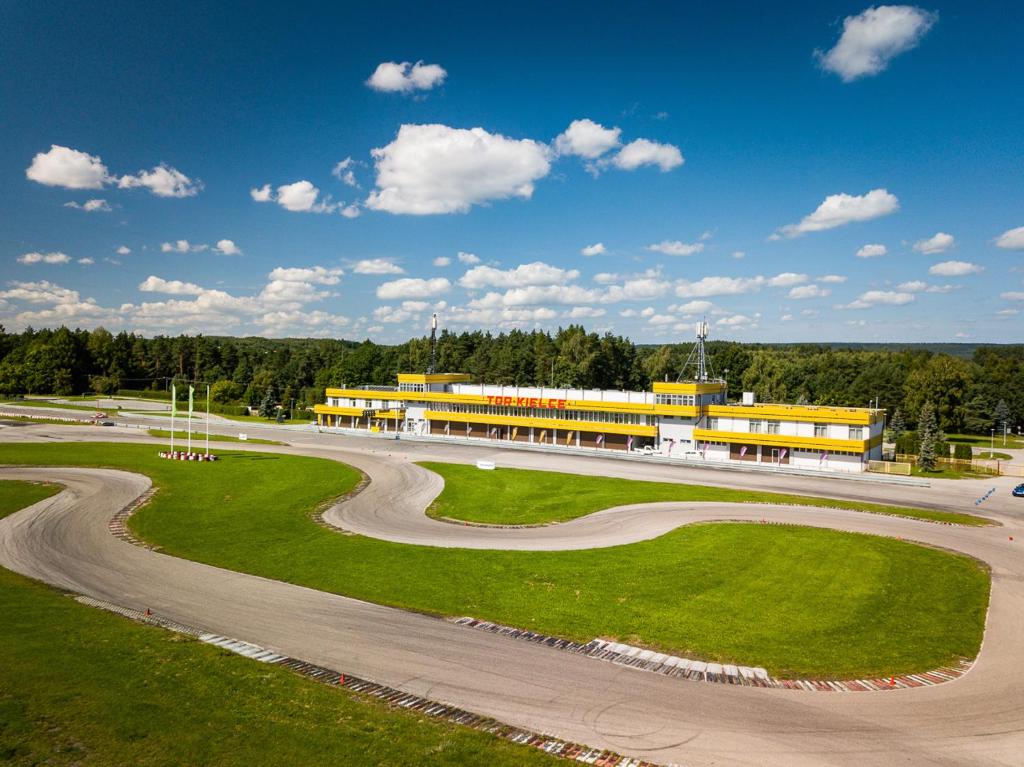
pixel 907 443
pixel 962 452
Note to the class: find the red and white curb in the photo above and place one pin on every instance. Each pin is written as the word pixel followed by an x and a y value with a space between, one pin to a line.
pixel 718 673
pixel 395 698
pixel 118 523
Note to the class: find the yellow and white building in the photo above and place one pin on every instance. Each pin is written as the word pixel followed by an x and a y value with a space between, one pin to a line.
pixel 686 420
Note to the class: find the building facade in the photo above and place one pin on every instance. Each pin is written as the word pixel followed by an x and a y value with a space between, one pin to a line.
pixel 688 420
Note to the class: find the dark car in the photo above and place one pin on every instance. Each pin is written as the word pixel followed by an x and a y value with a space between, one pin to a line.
pixel 1019 491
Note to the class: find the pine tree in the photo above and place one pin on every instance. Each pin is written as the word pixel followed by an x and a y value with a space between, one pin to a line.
pixel 1001 415
pixel 926 433
pixel 267 408
pixel 896 425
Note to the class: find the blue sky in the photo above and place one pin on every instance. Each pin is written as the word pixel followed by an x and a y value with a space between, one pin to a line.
pixel 730 161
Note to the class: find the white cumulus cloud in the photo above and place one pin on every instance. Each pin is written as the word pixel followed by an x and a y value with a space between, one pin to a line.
pixel 344 173
pixel 937 243
pixel 154 284
pixel 71 169
pixel 677 248
pixel 68 168
pixel 588 139
pixel 227 248
pixel 955 268
pixel 1011 239
pixel 90 206
pixel 874 297
pixel 841 209
pixel 377 266
pixel 44 258
pixel 597 249
pixel 645 152
pixel 809 291
pixel 467 258
pixel 395 77
pixel 871 39
pixel 432 169
pixel 873 250
pixel 182 246
pixel 441 261
pixel 536 273
pixel 163 181
pixel 413 288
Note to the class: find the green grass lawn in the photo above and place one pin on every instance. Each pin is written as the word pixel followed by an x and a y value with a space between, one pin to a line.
pixel 84 687
pixel 799 601
pixel 15 495
pixel 524 497
pixel 947 472
pixel 200 438
pixel 987 455
pixel 57 405
pixel 985 440
pixel 27 419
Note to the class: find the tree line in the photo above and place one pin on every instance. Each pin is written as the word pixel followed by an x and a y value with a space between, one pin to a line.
pixel 972 394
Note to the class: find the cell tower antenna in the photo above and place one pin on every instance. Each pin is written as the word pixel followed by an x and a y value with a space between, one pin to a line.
pixel 433 343
pixel 698 358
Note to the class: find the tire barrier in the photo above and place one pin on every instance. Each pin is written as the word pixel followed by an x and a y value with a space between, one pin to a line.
pixel 183 456
pixel 717 673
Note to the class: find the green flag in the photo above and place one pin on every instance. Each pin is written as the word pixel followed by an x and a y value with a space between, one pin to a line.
pixel 174 401
pixel 191 393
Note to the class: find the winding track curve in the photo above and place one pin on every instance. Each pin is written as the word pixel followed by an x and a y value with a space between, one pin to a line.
pixel 978 719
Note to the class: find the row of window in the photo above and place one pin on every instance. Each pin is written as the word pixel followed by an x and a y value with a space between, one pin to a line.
pixel 763 426
pixel 674 399
pixel 527 412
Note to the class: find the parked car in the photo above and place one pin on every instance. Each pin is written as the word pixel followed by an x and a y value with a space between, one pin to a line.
pixel 1019 491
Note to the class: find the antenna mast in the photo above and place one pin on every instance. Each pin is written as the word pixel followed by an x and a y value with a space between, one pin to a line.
pixel 433 343
pixel 698 357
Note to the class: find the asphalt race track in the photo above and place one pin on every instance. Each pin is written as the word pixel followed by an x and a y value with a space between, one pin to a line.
pixel 978 719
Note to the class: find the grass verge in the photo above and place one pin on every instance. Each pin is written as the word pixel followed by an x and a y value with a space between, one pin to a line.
pixel 525 497
pixel 57 405
pixel 987 455
pixel 200 438
pixel 979 440
pixel 15 494
pixel 799 601
pixel 84 687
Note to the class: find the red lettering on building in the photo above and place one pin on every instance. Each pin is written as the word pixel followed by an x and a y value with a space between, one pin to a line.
pixel 537 402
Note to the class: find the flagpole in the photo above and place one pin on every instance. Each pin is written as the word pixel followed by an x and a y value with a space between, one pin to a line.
pixel 207 419
pixel 174 407
pixel 191 392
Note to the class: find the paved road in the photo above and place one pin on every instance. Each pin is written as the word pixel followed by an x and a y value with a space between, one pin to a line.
pixel 976 720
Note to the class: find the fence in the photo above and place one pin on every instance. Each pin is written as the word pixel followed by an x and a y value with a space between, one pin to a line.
pixel 976 466
pixel 889 467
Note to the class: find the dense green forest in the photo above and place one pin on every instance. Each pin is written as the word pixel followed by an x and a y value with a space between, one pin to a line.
pixel 966 389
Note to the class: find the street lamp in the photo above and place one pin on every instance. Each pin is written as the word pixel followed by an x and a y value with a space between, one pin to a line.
pixel 992 444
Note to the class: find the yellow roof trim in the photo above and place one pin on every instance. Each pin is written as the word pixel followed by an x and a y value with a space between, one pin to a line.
pixel 688 387
pixel 426 378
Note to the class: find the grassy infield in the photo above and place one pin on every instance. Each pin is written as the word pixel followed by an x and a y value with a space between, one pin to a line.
pixel 800 601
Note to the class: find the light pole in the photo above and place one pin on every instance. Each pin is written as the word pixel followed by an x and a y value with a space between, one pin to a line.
pixel 992 444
